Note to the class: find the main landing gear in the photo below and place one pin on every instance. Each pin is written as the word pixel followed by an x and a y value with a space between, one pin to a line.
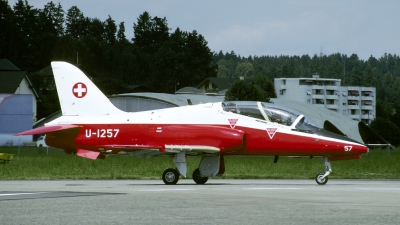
pixel 198 178
pixel 322 178
pixel 210 166
pixel 171 176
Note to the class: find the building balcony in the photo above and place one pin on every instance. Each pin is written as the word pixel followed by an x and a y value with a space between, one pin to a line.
pixel 353 97
pixel 332 97
pixel 318 96
pixel 369 107
pixel 355 117
pixel 353 107
pixel 367 117
pixel 319 87
pixel 370 98
pixel 331 87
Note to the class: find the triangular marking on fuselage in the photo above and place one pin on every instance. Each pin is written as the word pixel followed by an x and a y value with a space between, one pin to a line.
pixel 271 132
pixel 232 122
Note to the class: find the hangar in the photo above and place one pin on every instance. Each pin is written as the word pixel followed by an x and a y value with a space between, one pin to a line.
pixel 18 101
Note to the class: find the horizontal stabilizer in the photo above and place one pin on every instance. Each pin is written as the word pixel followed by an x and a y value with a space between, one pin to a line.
pixel 46 129
pixel 87 154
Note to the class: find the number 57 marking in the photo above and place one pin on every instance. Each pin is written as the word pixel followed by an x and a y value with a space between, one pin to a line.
pixel 347 148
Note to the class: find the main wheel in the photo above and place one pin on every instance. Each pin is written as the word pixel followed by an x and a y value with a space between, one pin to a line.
pixel 320 180
pixel 198 178
pixel 170 176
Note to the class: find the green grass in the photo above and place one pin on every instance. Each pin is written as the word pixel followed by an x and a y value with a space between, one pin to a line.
pixel 30 164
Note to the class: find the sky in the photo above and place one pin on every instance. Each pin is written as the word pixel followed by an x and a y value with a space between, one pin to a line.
pixel 265 27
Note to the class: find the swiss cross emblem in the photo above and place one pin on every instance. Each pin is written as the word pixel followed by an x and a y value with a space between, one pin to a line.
pixel 79 90
pixel 232 122
pixel 271 132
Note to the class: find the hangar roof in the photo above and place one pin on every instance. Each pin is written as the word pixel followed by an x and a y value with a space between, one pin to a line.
pixel 178 99
pixel 6 65
pixel 10 81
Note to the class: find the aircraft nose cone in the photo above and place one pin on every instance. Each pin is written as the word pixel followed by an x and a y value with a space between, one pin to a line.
pixel 359 149
pixel 348 145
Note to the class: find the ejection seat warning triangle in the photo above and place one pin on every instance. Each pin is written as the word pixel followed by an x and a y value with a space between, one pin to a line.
pixel 232 122
pixel 271 132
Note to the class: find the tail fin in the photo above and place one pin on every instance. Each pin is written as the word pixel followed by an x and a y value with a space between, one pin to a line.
pixel 78 95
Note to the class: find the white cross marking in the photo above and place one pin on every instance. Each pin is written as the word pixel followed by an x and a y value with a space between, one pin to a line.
pixel 79 90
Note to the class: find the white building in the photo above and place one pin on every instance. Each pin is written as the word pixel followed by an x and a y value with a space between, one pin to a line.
pixel 357 103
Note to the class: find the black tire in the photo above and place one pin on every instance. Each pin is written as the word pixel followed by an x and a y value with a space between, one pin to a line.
pixel 319 180
pixel 170 176
pixel 198 178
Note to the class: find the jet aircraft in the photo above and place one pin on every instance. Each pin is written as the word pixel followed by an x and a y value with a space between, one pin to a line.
pixel 92 127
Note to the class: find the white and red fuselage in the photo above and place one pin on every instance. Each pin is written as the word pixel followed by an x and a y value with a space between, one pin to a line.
pixel 205 126
pixel 93 127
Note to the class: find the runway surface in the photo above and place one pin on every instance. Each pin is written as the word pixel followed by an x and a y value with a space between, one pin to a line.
pixel 220 201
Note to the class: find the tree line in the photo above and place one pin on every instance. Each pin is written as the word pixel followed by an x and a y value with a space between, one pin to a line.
pixel 155 57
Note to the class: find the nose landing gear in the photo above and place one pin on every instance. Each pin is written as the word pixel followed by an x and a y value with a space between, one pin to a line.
pixel 322 178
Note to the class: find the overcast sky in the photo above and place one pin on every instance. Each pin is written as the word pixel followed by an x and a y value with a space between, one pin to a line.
pixel 255 27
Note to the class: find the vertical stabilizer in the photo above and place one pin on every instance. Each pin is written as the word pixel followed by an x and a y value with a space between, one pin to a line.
pixel 77 93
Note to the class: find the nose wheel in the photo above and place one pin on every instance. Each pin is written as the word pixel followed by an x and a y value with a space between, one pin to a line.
pixel 322 178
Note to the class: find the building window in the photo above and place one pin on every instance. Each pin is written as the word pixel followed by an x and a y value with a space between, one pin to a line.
pixel 330 92
pixel 330 102
pixel 353 93
pixel 353 102
pixel 367 93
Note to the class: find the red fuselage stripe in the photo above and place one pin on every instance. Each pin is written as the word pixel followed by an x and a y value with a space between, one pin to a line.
pixel 237 141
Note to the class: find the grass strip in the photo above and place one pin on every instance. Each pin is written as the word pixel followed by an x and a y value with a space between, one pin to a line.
pixel 30 163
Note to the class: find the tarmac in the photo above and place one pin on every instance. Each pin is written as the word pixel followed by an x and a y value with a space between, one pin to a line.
pixel 220 201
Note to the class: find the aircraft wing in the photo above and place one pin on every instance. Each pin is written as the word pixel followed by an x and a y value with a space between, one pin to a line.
pixel 148 150
pixel 46 129
pixel 168 148
pixel 151 150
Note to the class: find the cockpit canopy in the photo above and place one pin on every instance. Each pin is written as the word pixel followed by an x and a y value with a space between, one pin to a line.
pixel 271 113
